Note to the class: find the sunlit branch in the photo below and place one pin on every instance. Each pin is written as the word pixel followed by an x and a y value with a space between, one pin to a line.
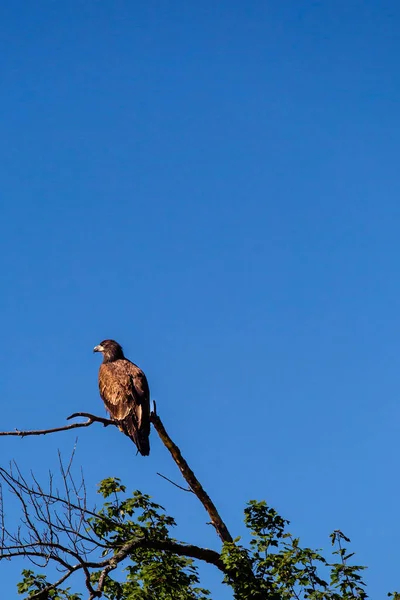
pixel 191 478
pixel 90 420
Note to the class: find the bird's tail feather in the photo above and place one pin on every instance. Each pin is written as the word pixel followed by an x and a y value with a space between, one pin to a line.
pixel 140 438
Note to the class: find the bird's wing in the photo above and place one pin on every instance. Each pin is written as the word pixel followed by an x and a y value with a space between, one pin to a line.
pixel 141 395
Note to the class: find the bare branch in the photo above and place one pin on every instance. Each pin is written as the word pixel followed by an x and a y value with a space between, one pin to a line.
pixel 93 418
pixel 175 484
pixel 191 479
pixel 205 554
pixel 90 420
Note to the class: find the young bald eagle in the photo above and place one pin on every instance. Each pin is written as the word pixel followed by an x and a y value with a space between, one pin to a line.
pixel 125 393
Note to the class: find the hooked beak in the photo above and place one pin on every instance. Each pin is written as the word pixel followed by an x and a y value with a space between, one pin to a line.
pixel 98 348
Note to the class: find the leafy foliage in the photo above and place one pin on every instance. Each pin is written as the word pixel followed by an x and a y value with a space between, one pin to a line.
pixel 35 585
pixel 151 573
pixel 272 566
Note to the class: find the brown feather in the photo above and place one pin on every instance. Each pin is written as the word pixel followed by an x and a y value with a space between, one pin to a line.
pixel 125 392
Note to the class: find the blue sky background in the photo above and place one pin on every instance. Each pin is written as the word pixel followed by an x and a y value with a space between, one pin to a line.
pixel 216 186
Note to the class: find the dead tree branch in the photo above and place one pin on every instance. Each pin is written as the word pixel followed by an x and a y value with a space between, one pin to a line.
pixel 191 478
pixel 180 487
pixel 90 420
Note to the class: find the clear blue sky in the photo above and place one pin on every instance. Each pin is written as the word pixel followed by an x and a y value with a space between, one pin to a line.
pixel 216 186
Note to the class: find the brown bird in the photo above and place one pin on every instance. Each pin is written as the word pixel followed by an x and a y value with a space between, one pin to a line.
pixel 125 393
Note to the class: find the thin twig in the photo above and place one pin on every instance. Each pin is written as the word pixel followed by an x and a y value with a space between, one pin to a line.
pixel 175 484
pixel 93 418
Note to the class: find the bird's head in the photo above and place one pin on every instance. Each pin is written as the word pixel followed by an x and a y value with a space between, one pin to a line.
pixel 110 350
